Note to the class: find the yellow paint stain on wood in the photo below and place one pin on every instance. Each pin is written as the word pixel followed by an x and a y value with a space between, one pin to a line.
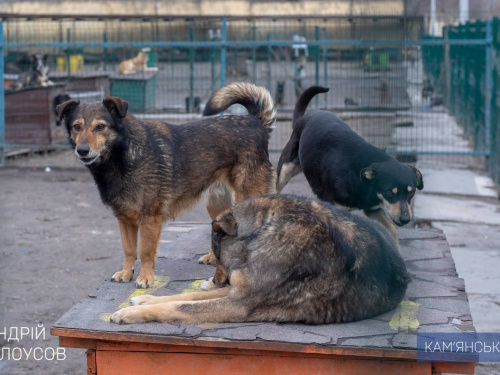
pixel 405 317
pixel 194 286
pixel 160 282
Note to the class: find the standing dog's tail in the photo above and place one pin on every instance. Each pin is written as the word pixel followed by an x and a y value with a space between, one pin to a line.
pixel 255 99
pixel 304 100
pixel 289 163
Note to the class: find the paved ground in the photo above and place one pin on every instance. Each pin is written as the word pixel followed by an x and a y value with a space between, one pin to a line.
pixel 464 204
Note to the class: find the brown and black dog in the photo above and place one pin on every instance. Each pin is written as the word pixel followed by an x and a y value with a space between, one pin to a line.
pixel 288 259
pixel 149 172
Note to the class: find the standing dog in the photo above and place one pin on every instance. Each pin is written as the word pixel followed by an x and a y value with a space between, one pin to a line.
pixel 136 64
pixel 341 167
pixel 288 259
pixel 149 172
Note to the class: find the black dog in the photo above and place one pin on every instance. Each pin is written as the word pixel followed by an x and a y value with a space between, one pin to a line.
pixel 341 167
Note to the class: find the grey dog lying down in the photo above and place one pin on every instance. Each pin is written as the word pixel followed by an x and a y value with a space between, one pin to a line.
pixel 285 258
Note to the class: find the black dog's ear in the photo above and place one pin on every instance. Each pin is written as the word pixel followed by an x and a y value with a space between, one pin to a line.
pixel 420 180
pixel 116 105
pixel 227 224
pixel 367 174
pixel 33 58
pixel 65 108
pixel 44 58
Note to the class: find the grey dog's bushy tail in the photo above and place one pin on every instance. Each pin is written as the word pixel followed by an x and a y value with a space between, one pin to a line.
pixel 304 100
pixel 257 100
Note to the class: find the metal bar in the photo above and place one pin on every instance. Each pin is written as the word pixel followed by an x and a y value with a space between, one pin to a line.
pixel 269 51
pixel 254 57
pixel 249 43
pixel 190 17
pixel 447 66
pixel 443 153
pixel 489 86
pixel 223 53
pixel 35 145
pixel 316 65
pixel 325 67
pixel 190 106
pixel 2 101
pixel 68 52
pixel 105 51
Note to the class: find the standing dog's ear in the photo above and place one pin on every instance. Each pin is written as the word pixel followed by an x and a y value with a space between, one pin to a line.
pixel 420 180
pixel 116 105
pixel 226 224
pixel 64 109
pixel 367 174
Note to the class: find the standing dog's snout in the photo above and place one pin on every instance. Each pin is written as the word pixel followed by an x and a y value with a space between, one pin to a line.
pixel 82 150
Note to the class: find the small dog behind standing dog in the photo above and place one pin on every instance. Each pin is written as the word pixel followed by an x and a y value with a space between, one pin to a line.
pixel 288 259
pixel 136 65
pixel 342 168
pixel 149 172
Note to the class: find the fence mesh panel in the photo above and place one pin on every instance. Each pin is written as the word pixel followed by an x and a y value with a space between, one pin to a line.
pixel 393 84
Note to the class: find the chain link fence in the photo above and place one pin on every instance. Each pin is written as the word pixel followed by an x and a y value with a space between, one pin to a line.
pixel 388 80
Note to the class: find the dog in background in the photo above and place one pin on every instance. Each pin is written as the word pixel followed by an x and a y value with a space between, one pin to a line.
pixel 384 93
pixel 136 65
pixel 341 167
pixel 149 171
pixel 427 90
pixel 38 75
pixel 288 259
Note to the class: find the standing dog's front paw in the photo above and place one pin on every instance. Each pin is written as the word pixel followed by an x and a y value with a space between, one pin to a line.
pixel 123 276
pixel 129 315
pixel 145 281
pixel 209 259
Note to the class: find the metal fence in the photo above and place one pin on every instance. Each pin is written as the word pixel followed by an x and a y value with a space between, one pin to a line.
pixel 386 77
pixel 465 70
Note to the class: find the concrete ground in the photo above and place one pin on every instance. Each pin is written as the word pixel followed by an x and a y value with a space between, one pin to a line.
pixel 464 204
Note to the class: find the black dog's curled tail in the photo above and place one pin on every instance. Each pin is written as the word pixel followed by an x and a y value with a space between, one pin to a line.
pixel 257 100
pixel 304 100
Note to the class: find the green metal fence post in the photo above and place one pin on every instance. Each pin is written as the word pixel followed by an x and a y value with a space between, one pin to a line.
pixel 191 71
pixel 325 67
pixel 447 66
pixel 316 65
pixel 2 100
pixel 68 52
pixel 269 50
pixel 494 159
pixel 254 57
pixel 212 67
pixel 489 86
pixel 223 53
pixel 105 51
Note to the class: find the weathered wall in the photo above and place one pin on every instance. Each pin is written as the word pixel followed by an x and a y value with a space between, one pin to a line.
pixel 204 7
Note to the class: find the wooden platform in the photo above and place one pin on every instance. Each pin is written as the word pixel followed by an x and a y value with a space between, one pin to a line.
pixel 435 302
